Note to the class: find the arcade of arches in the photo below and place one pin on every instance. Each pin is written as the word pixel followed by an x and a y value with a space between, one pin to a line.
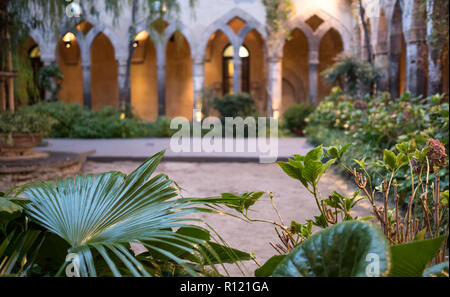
pixel 169 75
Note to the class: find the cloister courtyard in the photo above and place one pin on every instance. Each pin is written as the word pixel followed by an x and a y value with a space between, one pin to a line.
pixel 224 138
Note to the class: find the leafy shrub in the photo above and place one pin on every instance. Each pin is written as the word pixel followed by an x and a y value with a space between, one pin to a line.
pixel 23 121
pixel 76 121
pixel 295 116
pixel 236 105
pixel 376 123
pixel 352 75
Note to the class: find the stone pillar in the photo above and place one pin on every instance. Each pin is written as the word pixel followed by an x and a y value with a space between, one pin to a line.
pixel 161 77
pixel 382 63
pixel 416 62
pixel 49 61
pixel 313 68
pixel 124 98
pixel 237 61
pixel 86 70
pixel 434 57
pixel 198 70
pixel 275 87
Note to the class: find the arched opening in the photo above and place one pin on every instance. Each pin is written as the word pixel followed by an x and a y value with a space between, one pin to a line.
pixel 179 84
pixel 104 85
pixel 397 54
pixel 69 61
pixel 382 35
pixel 295 68
pixel 330 47
pixel 253 74
pixel 214 63
pixel 29 62
pixel 228 69
pixel 144 91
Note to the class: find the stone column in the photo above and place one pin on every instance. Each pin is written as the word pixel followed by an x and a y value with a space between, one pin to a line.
pixel 49 61
pixel 237 61
pixel 382 63
pixel 416 62
pixel 121 79
pixel 161 77
pixel 275 87
pixel 434 57
pixel 86 70
pixel 198 70
pixel 313 68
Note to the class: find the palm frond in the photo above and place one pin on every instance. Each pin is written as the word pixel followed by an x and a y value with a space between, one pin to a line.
pixel 99 217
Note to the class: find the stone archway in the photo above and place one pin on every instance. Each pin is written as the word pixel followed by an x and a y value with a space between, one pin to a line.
pixel 69 57
pixel 143 78
pixel 104 84
pixel 295 69
pixel 397 54
pixel 330 47
pixel 179 85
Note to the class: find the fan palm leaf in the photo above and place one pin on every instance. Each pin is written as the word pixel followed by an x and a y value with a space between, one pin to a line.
pixel 101 215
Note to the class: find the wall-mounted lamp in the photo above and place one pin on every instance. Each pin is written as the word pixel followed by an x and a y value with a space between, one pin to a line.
pixel 67 39
pixel 135 44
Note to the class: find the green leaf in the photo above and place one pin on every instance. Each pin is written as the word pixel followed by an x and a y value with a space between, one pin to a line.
pixel 314 154
pixel 401 160
pixel 421 234
pixel 345 249
pixel 312 171
pixel 8 210
pixel 438 270
pixel 333 152
pixel 293 171
pixel 410 259
pixel 390 159
pixel 268 267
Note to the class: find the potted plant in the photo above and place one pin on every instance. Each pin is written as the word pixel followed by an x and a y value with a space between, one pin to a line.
pixel 21 131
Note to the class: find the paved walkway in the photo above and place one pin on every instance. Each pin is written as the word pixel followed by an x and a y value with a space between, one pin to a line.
pixel 141 148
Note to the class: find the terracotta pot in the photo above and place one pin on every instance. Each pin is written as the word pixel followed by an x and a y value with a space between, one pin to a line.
pixel 18 144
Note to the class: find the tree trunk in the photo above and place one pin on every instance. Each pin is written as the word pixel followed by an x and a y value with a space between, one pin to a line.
pixel 125 91
pixel 6 62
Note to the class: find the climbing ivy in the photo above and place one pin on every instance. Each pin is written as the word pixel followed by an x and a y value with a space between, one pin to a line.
pixel 277 15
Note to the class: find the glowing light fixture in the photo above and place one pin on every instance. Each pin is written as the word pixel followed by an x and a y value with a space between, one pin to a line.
pixel 68 38
pixel 135 44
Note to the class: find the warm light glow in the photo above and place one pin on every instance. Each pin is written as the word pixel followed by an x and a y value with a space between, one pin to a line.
pixel 229 52
pixel 135 44
pixel 69 36
pixel 35 52
pixel 243 52
pixel 198 116
pixel 276 114
pixel 143 35
pixel 230 68
pixel 122 116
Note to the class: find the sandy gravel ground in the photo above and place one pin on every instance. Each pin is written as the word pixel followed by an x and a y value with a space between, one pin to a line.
pixel 210 179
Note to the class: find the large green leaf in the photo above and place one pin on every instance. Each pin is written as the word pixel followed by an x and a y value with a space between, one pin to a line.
pixel 99 216
pixel 411 259
pixel 268 267
pixel 345 249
